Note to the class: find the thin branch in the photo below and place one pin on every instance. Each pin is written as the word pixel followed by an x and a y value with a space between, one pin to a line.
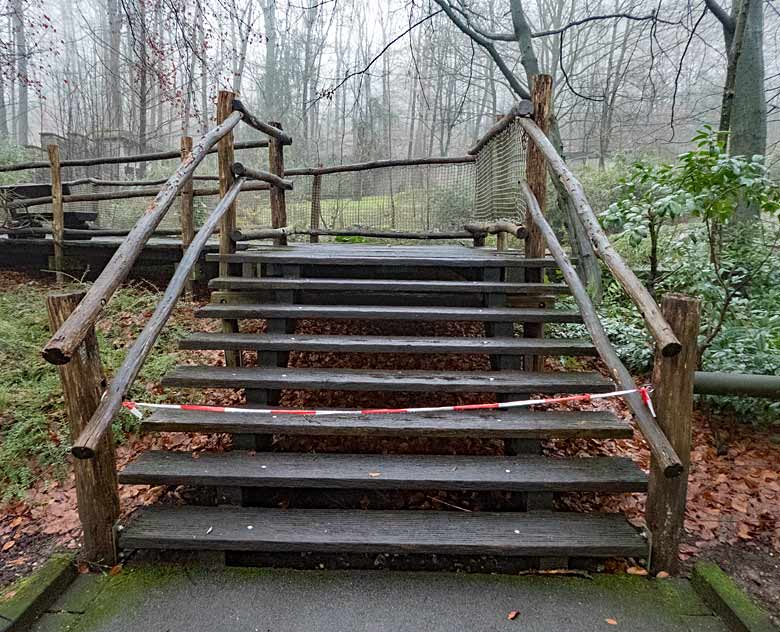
pixel 376 57
pixel 485 43
pixel 510 37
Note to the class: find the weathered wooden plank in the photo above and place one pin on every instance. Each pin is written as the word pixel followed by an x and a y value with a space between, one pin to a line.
pixel 380 380
pixel 384 285
pixel 377 471
pixel 501 424
pixel 382 344
pixel 388 255
pixel 377 312
pixel 425 532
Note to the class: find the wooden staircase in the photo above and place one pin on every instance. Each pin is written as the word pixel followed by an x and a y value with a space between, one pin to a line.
pixel 383 283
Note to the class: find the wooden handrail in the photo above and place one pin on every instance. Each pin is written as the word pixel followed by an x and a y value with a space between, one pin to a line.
pixel 117 195
pixel 111 402
pixel 378 164
pixel 69 336
pixel 243 171
pixel 521 108
pixel 662 450
pixel 261 126
pixel 469 232
pixel 662 333
pixel 128 183
pixel 118 160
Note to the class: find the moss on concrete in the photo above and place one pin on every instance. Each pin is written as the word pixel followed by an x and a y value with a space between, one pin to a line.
pixel 22 602
pixel 723 595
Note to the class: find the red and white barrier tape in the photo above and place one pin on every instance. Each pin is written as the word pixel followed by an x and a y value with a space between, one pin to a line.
pixel 644 391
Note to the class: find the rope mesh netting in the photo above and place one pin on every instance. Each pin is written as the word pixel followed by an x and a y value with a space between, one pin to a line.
pixel 439 197
pixel 500 166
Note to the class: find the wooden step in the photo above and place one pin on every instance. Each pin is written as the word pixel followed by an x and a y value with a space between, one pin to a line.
pixel 376 312
pixel 529 534
pixel 385 380
pixel 377 471
pixel 389 344
pixel 499 424
pixel 384 285
pixel 381 255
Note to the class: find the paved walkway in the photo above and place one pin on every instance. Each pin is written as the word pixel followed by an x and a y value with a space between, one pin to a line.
pixel 151 598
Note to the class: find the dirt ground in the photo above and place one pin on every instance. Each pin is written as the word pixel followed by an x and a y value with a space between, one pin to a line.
pixel 733 513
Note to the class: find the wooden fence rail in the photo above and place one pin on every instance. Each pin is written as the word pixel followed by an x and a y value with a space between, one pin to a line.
pixel 86 444
pixel 69 336
pixel 119 160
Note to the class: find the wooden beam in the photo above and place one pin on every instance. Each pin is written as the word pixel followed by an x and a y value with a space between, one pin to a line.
pixel 744 384
pixel 239 169
pixel 63 344
pixel 378 164
pixel 186 217
pixel 57 210
pixel 85 447
pixel 521 108
pixel 119 160
pixel 227 245
pixel 664 337
pixel 278 202
pixel 271 129
pixel 673 379
pixel 96 482
pixel 662 450
pixel 536 176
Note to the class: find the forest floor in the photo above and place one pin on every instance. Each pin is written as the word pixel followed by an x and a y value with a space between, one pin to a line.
pixel 733 511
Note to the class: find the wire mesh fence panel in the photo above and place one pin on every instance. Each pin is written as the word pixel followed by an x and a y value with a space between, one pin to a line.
pixel 403 198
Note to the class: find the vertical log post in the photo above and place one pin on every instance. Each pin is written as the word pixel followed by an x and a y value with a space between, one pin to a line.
pixel 186 214
pixel 536 176
pixel 316 200
pixel 83 383
pixel 673 380
pixel 57 211
pixel 502 240
pixel 278 203
pixel 227 227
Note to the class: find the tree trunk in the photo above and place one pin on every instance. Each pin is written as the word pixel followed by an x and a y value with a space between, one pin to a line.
pixel 20 44
pixel 749 111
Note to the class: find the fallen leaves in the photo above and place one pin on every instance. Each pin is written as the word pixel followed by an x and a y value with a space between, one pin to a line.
pixel 513 615
pixel 611 621
pixel 636 570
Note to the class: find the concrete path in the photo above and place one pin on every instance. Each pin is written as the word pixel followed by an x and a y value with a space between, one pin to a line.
pixel 160 598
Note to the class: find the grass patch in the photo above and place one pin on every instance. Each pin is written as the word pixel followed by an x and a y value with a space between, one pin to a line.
pixel 33 428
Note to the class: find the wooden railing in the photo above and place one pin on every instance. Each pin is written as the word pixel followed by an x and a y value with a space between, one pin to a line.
pixel 92 404
pixel 673 327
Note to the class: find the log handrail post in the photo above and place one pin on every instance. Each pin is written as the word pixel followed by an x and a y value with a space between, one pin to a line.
pixel 278 202
pixel 536 176
pixel 665 339
pixel 227 246
pixel 83 382
pixel 186 211
pixel 57 211
pixel 316 201
pixel 673 379
pixel 670 464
